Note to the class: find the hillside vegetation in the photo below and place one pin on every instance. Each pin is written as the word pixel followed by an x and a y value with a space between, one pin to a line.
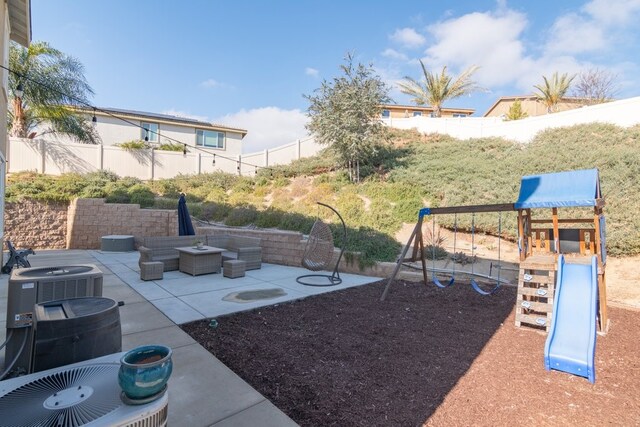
pixel 410 171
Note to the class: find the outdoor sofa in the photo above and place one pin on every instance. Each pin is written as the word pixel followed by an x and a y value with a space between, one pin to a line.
pixel 163 249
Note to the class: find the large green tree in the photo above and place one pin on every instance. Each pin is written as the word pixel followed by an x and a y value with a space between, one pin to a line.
pixel 344 113
pixel 436 88
pixel 52 83
pixel 552 90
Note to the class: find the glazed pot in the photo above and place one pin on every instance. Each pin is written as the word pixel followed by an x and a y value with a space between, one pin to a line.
pixel 144 371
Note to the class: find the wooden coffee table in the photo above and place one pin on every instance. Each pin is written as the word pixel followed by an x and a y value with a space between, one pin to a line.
pixel 203 260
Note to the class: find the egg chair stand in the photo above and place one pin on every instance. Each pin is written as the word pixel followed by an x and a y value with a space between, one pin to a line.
pixel 318 253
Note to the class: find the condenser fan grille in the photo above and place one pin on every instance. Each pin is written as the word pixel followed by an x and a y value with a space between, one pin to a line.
pixel 59 400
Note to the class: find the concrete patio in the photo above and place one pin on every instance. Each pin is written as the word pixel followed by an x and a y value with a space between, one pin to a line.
pixel 203 391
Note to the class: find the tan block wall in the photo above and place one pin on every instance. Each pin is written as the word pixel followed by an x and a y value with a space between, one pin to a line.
pixel 36 225
pixel 287 248
pixel 90 219
pixel 278 247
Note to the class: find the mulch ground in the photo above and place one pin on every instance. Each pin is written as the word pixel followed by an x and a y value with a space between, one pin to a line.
pixel 443 357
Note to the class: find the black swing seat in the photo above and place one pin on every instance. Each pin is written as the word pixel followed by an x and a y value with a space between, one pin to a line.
pixel 17 258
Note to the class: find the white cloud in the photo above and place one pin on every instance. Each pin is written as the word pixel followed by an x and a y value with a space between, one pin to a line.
pixel 213 83
pixel 311 72
pixel 185 114
pixel 394 54
pixel 613 12
pixel 490 40
pixel 210 83
pixel 574 33
pixel 408 37
pixel 267 127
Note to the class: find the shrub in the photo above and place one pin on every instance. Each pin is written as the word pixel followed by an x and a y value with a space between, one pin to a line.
pixel 141 195
pixel 118 195
pixel 165 203
pixel 93 191
pixel 170 146
pixel 166 188
pixel 133 145
pixel 216 212
pixel 296 222
pixel 241 216
pixel 269 218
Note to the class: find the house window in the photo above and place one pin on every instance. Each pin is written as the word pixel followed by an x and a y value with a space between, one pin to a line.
pixel 459 115
pixel 149 132
pixel 209 138
pixel 385 114
pixel 417 113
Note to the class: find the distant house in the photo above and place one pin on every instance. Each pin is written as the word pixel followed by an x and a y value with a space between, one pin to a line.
pixel 530 105
pixel 395 111
pixel 117 125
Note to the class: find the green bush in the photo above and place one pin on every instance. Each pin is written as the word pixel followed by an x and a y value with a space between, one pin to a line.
pixel 241 216
pixel 269 218
pixel 170 146
pixel 133 145
pixel 165 203
pixel 166 188
pixel 216 212
pixel 118 195
pixel 142 195
pixel 93 191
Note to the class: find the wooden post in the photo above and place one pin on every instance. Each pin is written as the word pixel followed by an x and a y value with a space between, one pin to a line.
pixel 602 284
pixel 401 259
pixel 521 236
pixel 530 245
pixel 556 230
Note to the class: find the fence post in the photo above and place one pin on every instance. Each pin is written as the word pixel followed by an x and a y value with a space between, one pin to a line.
pixel 265 160
pixel 199 163
pixel 152 164
pixel 239 164
pixel 43 155
pixel 298 149
pixel 100 157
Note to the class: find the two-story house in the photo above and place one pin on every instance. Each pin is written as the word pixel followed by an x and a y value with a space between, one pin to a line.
pixel 117 125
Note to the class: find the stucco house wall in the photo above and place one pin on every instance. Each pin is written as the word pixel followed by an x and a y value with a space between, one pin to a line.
pixel 530 105
pixel 397 111
pixel 114 130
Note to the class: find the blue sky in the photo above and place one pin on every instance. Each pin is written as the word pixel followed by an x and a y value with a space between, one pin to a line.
pixel 248 63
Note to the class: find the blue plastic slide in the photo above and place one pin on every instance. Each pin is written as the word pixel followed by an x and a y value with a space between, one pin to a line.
pixel 571 342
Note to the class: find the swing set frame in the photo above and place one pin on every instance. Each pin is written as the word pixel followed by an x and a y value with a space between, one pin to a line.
pixel 416 242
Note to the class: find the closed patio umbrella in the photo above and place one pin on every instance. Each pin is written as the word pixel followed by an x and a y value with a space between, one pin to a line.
pixel 185 227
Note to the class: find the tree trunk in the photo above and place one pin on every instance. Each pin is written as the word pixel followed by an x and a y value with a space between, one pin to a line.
pixel 437 111
pixel 19 125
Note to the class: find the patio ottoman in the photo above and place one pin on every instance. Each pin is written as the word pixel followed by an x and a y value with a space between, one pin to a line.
pixel 117 243
pixel 233 268
pixel 151 270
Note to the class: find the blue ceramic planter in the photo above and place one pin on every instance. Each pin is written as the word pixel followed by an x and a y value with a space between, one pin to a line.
pixel 144 371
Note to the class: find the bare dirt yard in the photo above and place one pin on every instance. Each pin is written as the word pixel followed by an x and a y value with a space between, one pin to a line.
pixel 441 357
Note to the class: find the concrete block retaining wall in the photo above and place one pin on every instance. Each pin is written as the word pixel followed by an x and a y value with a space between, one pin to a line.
pixel 81 223
pixel 90 219
pixel 37 225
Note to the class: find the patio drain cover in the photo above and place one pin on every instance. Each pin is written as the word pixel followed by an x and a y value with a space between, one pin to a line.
pixel 255 295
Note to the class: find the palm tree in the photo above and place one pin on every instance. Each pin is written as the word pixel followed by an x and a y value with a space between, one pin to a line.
pixel 552 91
pixel 437 88
pixel 45 85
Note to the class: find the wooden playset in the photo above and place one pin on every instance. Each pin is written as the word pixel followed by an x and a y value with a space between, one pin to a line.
pixel 541 240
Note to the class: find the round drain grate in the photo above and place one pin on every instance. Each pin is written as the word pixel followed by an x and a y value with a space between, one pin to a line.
pixel 67 398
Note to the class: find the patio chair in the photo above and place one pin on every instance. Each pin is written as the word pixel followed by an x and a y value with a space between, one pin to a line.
pixel 318 253
pixel 17 258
